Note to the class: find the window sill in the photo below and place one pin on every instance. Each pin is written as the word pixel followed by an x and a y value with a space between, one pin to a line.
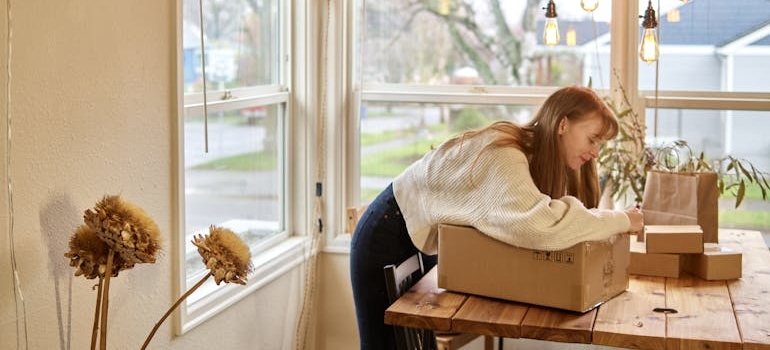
pixel 268 266
pixel 340 244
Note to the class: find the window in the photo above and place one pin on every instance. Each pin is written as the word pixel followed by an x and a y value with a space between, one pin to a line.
pixel 428 70
pixel 710 86
pixel 425 68
pixel 233 142
pixel 411 129
pixel 479 43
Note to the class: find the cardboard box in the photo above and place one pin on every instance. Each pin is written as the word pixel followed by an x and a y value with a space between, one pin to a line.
pixel 578 278
pixel 717 262
pixel 676 239
pixel 652 264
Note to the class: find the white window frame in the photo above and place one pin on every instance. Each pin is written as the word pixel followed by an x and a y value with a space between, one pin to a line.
pixel 289 249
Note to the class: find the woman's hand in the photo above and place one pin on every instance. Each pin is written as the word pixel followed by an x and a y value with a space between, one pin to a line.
pixel 637 221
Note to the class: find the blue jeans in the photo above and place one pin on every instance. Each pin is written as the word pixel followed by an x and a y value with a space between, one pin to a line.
pixel 380 239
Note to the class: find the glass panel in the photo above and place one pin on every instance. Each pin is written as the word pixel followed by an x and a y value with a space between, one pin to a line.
pixel 483 42
pixel 238 183
pixel 393 135
pixel 241 42
pixel 715 132
pixel 718 133
pixel 710 46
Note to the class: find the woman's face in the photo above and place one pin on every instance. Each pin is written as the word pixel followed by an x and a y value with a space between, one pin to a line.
pixel 580 139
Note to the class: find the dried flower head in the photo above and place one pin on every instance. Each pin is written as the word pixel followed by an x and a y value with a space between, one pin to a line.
pixel 88 254
pixel 126 229
pixel 225 255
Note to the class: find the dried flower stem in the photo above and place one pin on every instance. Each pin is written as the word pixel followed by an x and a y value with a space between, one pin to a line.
pixel 172 308
pixel 106 301
pixel 96 314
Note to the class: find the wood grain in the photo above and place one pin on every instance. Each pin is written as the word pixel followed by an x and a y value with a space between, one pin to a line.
pixel 558 325
pixel 704 317
pixel 751 293
pixel 425 306
pixel 489 316
pixel 628 320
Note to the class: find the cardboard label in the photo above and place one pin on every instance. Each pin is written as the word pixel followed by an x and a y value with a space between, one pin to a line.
pixel 554 256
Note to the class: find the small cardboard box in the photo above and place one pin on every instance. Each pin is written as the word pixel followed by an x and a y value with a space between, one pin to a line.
pixel 578 278
pixel 717 262
pixel 676 239
pixel 652 264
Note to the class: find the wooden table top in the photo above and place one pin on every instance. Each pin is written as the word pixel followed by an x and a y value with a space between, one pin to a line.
pixel 732 314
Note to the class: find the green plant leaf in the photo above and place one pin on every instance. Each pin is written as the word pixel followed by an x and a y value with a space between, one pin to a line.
pixel 743 169
pixel 740 194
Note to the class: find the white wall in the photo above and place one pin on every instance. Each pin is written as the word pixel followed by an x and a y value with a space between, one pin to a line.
pixel 337 329
pixel 92 113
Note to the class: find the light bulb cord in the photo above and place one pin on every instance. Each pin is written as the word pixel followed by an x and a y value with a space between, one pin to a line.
pixel 18 295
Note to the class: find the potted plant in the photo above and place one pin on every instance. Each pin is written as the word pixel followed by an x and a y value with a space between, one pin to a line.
pixel 625 161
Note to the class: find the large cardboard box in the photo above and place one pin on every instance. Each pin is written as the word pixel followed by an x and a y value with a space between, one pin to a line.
pixel 717 262
pixel 578 278
pixel 675 239
pixel 652 264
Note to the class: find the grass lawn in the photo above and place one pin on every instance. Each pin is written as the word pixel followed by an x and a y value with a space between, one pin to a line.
pixel 242 162
pixel 759 220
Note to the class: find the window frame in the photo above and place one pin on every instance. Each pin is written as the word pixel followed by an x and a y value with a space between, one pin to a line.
pixel 624 30
pixel 288 249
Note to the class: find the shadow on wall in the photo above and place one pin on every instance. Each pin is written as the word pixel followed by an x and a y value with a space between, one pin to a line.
pixel 58 219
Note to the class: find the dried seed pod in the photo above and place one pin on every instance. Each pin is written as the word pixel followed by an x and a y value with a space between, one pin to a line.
pixel 88 255
pixel 225 255
pixel 125 228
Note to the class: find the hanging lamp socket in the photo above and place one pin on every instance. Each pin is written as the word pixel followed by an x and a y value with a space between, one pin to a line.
pixel 550 10
pixel 650 21
pixel 648 48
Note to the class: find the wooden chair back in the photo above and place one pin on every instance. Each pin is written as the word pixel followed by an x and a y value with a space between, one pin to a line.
pixel 398 279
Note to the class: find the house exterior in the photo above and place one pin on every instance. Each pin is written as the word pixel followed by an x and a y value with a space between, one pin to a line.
pixel 715 46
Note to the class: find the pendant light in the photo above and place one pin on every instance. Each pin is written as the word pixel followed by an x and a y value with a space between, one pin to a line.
pixel 589 5
pixel 551 31
pixel 571 37
pixel 648 49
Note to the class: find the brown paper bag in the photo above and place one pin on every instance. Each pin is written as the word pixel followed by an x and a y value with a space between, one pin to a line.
pixel 679 198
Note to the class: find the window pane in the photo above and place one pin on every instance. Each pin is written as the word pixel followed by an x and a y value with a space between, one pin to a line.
pixel 241 42
pixel 715 132
pixel 238 183
pixel 710 46
pixel 394 135
pixel 483 42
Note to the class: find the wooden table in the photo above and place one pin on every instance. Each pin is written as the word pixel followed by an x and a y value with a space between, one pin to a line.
pixel 731 314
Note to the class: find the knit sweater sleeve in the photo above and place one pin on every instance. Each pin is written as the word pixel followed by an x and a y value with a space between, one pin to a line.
pixel 519 214
pixel 494 193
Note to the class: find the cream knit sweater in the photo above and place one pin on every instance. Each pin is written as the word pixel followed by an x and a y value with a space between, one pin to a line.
pixel 503 201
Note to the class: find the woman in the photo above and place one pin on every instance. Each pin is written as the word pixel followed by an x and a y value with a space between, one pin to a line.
pixel 534 186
